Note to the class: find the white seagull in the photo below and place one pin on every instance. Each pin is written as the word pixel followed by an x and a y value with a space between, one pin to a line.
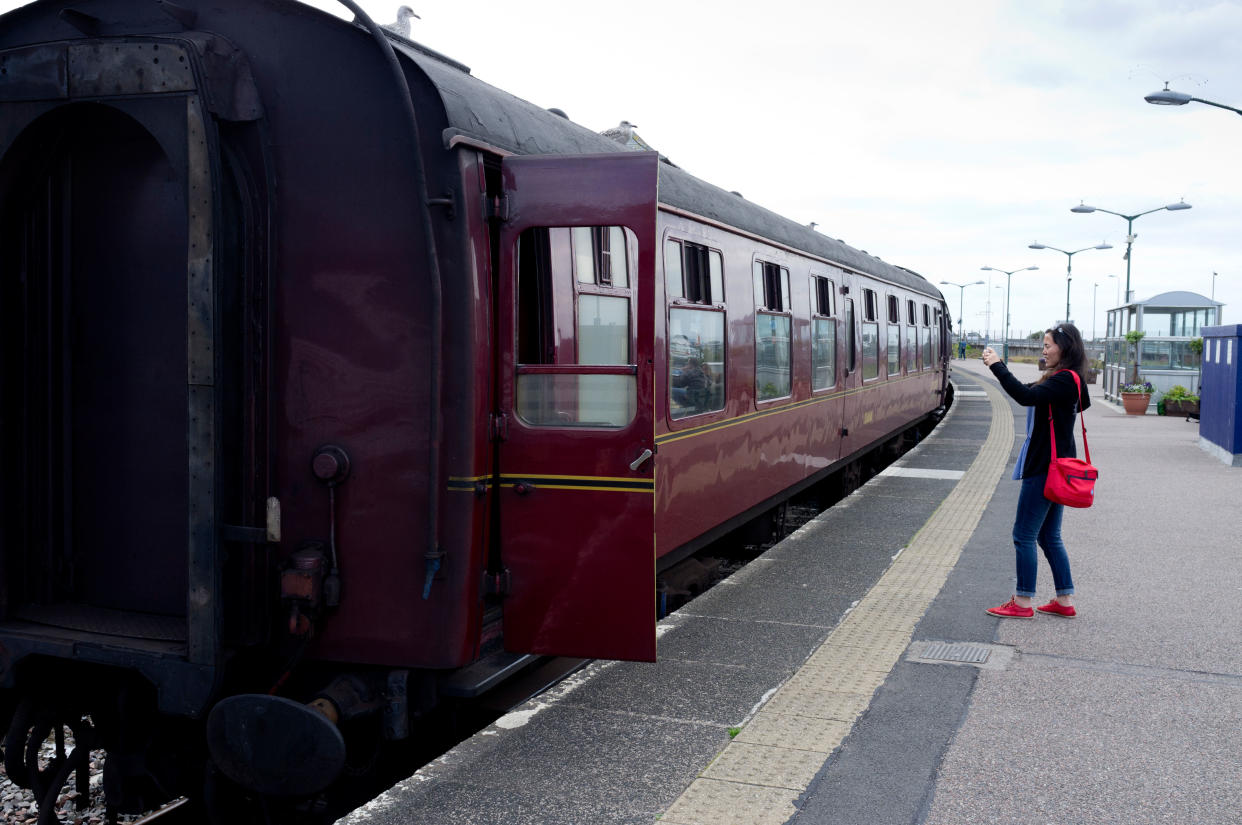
pixel 402 26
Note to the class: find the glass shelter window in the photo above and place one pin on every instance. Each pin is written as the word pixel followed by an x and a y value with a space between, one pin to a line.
pixel 575 328
pixel 823 335
pixel 772 331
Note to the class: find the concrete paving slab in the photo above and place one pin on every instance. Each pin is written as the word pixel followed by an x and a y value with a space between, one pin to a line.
pixel 1049 743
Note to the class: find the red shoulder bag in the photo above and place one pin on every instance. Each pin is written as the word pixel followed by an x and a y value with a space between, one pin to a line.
pixel 1071 481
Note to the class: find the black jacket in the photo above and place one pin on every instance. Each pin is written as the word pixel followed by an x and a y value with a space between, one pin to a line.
pixel 1061 393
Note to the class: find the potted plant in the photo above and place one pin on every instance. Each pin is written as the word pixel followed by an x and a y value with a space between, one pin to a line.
pixel 1093 369
pixel 1179 401
pixel 1136 396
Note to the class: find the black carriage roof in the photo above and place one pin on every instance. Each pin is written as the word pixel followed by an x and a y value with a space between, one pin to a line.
pixel 484 113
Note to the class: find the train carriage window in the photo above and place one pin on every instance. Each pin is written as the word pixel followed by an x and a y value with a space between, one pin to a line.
pixel 870 350
pixel 870 305
pixel 910 313
pixel 894 312
pixel 696 361
pixel 851 344
pixel 894 349
pixel 771 287
pixel 912 346
pixel 575 309
pixel 599 255
pixel 870 336
pixel 823 336
pixel 672 269
pixel 693 272
pixel 773 326
pixel 927 338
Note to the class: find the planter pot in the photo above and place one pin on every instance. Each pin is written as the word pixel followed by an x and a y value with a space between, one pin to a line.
pixel 1174 407
pixel 1092 375
pixel 1135 402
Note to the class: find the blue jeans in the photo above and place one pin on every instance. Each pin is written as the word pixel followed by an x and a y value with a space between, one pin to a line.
pixel 1039 520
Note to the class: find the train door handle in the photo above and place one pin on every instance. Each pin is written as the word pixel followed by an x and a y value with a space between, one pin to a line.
pixel 642 459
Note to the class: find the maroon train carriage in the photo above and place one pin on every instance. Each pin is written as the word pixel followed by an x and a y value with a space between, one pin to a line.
pixel 326 365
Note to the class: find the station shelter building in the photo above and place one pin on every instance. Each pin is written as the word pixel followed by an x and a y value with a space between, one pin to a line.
pixel 1165 357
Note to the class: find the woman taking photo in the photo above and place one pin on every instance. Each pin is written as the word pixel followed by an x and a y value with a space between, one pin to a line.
pixel 1039 520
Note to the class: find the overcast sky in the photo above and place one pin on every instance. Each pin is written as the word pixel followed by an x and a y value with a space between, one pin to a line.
pixel 942 137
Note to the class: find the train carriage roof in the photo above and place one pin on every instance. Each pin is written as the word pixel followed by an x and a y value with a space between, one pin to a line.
pixel 480 111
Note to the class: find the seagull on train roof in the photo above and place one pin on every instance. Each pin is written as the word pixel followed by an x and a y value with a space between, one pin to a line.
pixel 622 133
pixel 402 26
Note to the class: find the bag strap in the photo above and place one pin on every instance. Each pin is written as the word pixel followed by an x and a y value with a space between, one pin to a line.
pixel 1052 435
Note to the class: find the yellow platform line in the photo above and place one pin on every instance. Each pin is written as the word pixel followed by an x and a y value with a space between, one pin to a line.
pixel 758 777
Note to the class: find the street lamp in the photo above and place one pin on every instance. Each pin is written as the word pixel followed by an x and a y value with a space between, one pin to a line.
pixel 1069 262
pixel 1166 97
pixel 1083 209
pixel 960 303
pixel 1008 278
pixel 1094 297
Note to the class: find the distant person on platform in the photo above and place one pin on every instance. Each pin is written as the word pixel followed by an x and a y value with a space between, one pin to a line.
pixel 961 349
pixel 1039 520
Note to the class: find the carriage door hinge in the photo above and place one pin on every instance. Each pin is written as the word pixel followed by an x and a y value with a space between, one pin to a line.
pixel 498 207
pixel 498 427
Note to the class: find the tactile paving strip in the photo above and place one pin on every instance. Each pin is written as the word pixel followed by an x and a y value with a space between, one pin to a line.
pixel 756 779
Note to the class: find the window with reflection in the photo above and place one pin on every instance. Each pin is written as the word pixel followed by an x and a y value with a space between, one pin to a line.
pixel 823 335
pixel 696 361
pixel 772 367
pixel 927 337
pixel 912 346
pixel 575 310
pixel 894 349
pixel 870 350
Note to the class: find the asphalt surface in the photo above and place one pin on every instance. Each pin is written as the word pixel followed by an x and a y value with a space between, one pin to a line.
pixel 1128 714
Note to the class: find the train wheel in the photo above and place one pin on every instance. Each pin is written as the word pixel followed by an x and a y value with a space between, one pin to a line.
pixel 27 763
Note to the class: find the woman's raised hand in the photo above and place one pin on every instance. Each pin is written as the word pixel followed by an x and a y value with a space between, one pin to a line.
pixel 990 357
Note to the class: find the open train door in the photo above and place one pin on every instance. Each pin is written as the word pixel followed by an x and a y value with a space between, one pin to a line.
pixel 576 331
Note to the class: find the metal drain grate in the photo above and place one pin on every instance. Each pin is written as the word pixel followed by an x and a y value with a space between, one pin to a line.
pixel 956 652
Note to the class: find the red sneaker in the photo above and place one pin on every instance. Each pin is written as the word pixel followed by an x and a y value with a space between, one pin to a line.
pixel 1055 608
pixel 1012 610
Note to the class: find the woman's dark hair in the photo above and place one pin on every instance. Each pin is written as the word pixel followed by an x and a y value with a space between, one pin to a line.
pixel 1073 351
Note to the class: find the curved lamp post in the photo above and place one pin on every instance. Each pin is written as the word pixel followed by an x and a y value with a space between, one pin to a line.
pixel 960 303
pixel 1083 209
pixel 1167 97
pixel 1008 279
pixel 1069 262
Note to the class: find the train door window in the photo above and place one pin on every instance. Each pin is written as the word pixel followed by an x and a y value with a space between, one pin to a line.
pixel 912 348
pixel 599 255
pixel 910 313
pixel 927 337
pixel 575 309
pixel 823 335
pixel 693 272
pixel 870 336
pixel 894 311
pixel 851 359
pixel 696 361
pixel 773 325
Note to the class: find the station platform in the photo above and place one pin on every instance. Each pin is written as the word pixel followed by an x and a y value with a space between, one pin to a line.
pixel 851 675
